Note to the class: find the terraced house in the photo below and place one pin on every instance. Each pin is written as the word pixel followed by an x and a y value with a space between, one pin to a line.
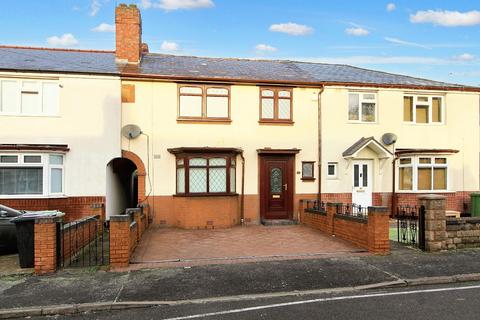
pixel 213 142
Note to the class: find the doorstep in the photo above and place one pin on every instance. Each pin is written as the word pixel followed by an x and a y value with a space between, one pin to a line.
pixel 278 222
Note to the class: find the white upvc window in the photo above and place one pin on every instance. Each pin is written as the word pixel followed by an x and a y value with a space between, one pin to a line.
pixel 423 174
pixel 29 97
pixel 25 175
pixel 424 109
pixel 362 107
pixel 332 168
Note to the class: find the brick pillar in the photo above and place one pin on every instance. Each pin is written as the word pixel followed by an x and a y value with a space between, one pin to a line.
pixel 119 241
pixel 378 230
pixel 45 245
pixel 331 212
pixel 435 221
pixel 301 210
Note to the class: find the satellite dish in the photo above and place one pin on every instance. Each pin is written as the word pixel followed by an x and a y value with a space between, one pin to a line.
pixel 389 138
pixel 131 131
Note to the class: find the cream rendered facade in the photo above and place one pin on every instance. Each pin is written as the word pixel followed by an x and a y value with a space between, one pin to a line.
pixel 87 121
pixel 155 110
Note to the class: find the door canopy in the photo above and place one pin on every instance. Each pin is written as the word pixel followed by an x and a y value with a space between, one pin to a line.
pixel 370 142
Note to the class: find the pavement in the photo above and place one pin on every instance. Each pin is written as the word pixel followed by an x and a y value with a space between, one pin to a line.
pixel 93 290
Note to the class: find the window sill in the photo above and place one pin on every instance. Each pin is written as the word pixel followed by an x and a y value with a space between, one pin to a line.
pixel 434 124
pixel 196 195
pixel 308 179
pixel 424 191
pixel 361 122
pixel 276 123
pixel 204 121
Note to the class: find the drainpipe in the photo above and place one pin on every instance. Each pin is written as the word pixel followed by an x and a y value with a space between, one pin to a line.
pixel 319 194
pixel 242 196
pixel 394 195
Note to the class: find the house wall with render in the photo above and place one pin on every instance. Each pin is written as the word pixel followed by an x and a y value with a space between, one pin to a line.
pixel 155 111
pixel 89 123
pixel 460 131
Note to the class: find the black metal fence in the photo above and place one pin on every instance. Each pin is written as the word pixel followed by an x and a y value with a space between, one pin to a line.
pixel 353 210
pixel 315 205
pixel 83 243
pixel 411 226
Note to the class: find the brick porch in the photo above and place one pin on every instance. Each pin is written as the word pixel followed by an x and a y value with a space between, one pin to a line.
pixel 177 247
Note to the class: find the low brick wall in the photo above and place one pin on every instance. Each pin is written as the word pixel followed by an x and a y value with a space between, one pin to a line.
pixel 463 233
pixel 370 233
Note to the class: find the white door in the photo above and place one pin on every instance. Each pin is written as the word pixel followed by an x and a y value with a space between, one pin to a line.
pixel 362 183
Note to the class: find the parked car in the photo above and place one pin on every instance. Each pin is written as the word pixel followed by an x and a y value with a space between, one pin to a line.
pixel 8 237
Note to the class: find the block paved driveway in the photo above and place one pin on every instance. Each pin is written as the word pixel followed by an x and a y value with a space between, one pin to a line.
pixel 177 247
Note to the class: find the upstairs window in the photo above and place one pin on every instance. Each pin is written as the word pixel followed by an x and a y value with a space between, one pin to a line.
pixel 362 107
pixel 204 102
pixel 29 97
pixel 275 105
pixel 24 175
pixel 423 109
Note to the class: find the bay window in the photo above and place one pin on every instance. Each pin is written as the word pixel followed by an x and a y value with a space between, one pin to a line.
pixel 423 173
pixel 206 174
pixel 24 175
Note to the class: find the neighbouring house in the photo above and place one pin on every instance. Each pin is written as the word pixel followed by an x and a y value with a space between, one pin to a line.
pixel 216 142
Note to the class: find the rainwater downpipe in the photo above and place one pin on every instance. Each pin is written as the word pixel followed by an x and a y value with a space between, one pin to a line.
pixel 242 196
pixel 319 194
pixel 394 194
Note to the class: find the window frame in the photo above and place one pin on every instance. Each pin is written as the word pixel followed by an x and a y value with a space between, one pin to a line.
pixel 231 163
pixel 335 175
pixel 204 95
pixel 276 98
pixel 360 101
pixel 308 178
pixel 428 104
pixel 40 92
pixel 46 172
pixel 415 165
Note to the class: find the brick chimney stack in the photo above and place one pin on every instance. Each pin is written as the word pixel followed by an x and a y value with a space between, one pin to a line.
pixel 128 23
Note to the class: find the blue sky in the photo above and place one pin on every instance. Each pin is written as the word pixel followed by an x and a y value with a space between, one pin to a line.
pixel 432 39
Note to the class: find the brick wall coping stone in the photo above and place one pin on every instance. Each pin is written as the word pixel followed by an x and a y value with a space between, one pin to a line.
pixel 315 211
pixel 351 218
pixel 465 220
pixel 378 210
pixel 334 204
pixel 431 197
pixel 120 217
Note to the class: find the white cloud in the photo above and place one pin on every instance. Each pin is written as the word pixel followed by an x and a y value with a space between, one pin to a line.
pixel 65 40
pixel 391 7
pixel 291 28
pixel 406 43
pixel 358 31
pixel 94 7
pixel 264 48
pixel 447 18
pixel 169 46
pixel 465 57
pixel 170 5
pixel 104 27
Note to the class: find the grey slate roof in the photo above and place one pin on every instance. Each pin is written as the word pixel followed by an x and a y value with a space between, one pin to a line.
pixel 187 67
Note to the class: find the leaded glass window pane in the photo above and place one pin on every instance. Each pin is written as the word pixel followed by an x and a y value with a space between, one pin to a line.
pixel 368 112
pixel 217 91
pixel 284 94
pixel 353 106
pixel 198 162
pixel 267 93
pixel 181 180
pixel 232 180
pixel 198 180
pixel 218 162
pixel 307 170
pixel 191 90
pixel 217 107
pixel 267 108
pixel 284 109
pixel 218 180
pixel 276 180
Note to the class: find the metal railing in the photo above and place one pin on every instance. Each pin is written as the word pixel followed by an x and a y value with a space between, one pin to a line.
pixel 352 210
pixel 315 206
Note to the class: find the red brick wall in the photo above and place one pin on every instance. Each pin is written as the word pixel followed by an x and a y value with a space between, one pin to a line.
pixel 352 231
pixel 128 33
pixel 75 208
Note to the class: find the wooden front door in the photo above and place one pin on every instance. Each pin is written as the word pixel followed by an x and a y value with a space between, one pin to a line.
pixel 276 186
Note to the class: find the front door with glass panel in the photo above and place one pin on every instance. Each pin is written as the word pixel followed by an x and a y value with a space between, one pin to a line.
pixel 276 187
pixel 362 183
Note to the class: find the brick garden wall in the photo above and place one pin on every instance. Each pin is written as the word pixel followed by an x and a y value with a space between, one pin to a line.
pixel 463 233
